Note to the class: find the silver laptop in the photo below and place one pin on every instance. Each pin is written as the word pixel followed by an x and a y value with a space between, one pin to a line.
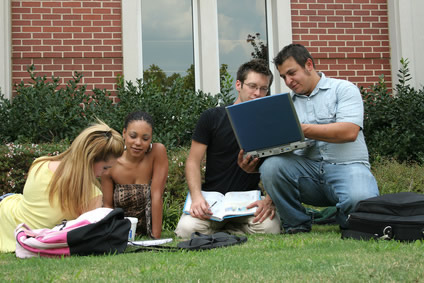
pixel 267 126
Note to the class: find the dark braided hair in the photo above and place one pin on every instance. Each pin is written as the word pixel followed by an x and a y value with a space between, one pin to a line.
pixel 138 115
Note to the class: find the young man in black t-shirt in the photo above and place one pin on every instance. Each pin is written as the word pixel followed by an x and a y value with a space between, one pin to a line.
pixel 214 137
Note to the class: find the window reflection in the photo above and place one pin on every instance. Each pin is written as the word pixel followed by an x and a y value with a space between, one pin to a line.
pixel 237 19
pixel 167 36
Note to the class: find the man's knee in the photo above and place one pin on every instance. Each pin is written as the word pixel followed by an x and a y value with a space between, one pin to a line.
pixel 185 227
pixel 272 226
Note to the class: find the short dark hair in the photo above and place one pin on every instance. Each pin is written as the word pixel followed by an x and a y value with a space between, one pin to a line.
pixel 138 115
pixel 256 65
pixel 299 53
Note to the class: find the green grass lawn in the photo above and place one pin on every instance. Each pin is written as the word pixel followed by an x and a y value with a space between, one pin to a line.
pixel 320 256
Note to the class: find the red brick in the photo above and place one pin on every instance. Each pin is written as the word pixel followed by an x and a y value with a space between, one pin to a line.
pixel 51 4
pixel 101 11
pixel 112 54
pixel 112 5
pixel 91 29
pixel 21 23
pixel 104 61
pixel 112 17
pixel 72 68
pixel 51 17
pixel 112 29
pixel 103 48
pixel 82 23
pixel 83 35
pixel 62 11
pixel 102 35
pixel 42 35
pixel 62 35
pixel 82 11
pixel 83 48
pixel 102 23
pixel 72 42
pixel 20 35
pixel 72 17
pixel 71 4
pixel 61 48
pixel 30 16
pixel 93 54
pixel 21 48
pixel 62 61
pixel 31 54
pixel 96 67
pixel 91 4
pixel 41 10
pixel 92 42
pixel 54 67
pixel 52 29
pixel 52 54
pixel 30 4
pixel 41 23
pixel 20 10
pixel 92 17
pixel 72 54
pixel 72 29
pixel 31 29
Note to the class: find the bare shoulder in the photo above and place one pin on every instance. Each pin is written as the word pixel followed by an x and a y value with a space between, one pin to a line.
pixel 159 149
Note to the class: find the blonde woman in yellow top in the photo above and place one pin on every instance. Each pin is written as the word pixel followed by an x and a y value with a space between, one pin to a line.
pixel 61 187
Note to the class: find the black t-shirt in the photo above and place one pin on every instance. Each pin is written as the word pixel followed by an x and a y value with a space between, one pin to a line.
pixel 222 171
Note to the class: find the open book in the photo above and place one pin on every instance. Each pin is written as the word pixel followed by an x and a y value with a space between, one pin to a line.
pixel 232 204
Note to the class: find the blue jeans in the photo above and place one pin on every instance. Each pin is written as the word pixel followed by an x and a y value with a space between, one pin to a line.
pixel 291 180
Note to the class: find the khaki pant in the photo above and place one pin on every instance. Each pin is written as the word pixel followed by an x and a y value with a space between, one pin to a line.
pixel 237 225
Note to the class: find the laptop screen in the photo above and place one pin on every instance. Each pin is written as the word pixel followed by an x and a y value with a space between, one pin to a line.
pixel 265 122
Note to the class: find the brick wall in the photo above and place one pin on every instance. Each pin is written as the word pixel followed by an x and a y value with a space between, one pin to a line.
pixel 348 39
pixel 60 37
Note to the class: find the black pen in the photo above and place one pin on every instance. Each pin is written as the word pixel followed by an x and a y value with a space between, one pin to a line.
pixel 212 204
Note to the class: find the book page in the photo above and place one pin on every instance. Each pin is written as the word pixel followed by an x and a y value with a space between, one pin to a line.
pixel 235 203
pixel 231 205
pixel 215 200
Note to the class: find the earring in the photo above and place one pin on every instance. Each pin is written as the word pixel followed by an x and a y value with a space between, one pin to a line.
pixel 150 148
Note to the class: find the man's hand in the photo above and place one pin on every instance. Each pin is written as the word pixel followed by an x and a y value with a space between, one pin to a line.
pixel 200 209
pixel 248 164
pixel 265 209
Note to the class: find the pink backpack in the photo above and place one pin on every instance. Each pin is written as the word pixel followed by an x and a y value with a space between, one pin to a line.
pixel 100 231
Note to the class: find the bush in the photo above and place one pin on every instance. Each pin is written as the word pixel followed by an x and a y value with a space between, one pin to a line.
pixel 16 159
pixel 393 126
pixel 43 111
pixel 175 112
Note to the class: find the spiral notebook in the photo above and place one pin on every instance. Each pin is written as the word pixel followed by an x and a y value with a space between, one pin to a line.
pixel 267 126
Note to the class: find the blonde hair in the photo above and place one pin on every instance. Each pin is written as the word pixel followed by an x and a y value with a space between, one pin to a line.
pixel 73 181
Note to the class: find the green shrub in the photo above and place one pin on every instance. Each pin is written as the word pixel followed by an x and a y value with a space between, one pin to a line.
pixel 16 159
pixel 393 127
pixel 175 112
pixel 43 111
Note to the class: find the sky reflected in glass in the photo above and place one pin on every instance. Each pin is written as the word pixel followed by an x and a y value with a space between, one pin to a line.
pixel 167 35
pixel 236 20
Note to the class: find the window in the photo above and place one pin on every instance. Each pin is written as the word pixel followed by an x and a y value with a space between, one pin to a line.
pixel 167 35
pixel 237 19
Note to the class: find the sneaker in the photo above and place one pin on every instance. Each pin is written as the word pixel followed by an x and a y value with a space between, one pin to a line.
pixel 294 230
